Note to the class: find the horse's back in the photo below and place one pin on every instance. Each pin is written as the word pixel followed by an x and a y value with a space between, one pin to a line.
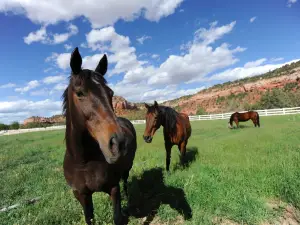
pixel 129 133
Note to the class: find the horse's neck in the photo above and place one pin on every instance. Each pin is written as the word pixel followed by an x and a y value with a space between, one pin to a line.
pixel 74 143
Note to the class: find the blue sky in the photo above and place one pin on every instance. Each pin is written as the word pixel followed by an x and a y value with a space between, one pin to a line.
pixel 157 49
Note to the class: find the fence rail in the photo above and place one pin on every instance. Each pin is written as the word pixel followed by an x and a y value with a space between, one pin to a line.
pixel 264 112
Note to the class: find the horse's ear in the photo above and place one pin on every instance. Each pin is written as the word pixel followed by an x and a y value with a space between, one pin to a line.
pixel 76 61
pixel 155 104
pixel 102 65
pixel 147 106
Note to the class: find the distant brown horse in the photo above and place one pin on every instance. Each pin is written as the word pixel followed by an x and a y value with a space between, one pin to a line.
pixel 177 128
pixel 100 147
pixel 243 117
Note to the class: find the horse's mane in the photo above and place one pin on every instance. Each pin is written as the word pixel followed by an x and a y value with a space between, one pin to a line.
pixel 170 118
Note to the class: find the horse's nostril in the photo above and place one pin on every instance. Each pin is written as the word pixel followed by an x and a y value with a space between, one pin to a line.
pixel 113 144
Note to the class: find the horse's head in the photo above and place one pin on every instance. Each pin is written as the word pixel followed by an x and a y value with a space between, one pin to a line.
pixel 90 107
pixel 153 121
pixel 230 125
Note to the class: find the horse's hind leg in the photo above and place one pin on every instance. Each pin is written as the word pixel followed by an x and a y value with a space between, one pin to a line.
pixel 168 147
pixel 237 123
pixel 86 202
pixel 115 195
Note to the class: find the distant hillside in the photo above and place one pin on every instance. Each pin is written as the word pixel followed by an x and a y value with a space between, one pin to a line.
pixel 277 88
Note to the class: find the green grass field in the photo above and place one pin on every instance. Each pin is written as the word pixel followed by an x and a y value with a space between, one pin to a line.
pixel 232 174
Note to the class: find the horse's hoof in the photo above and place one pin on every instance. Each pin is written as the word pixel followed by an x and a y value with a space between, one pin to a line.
pixel 125 212
pixel 122 221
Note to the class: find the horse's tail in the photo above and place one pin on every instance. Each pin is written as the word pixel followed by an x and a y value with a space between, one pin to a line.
pixel 258 123
pixel 231 120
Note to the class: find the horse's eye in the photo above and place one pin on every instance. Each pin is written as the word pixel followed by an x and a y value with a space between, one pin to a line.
pixel 79 94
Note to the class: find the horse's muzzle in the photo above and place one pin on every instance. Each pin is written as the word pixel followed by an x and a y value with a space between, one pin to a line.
pixel 147 139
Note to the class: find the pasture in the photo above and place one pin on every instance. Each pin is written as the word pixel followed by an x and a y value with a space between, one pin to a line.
pixel 236 175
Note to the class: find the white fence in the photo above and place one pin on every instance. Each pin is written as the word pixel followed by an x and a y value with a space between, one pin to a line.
pixel 264 112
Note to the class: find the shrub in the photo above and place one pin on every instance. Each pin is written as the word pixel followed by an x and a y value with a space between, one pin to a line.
pixel 201 111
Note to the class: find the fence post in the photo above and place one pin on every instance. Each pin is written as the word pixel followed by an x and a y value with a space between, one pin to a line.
pixel 209 116
pixel 283 111
pixel 199 117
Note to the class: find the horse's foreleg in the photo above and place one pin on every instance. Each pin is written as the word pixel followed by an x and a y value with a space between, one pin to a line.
pixel 125 178
pixel 86 202
pixel 168 147
pixel 115 195
pixel 182 149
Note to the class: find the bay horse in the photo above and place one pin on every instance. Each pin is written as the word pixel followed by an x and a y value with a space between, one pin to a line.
pixel 177 128
pixel 100 147
pixel 243 117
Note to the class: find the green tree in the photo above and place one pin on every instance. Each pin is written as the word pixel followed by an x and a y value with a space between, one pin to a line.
pixel 14 126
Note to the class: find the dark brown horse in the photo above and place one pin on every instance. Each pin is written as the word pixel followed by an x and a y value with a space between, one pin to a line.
pixel 177 128
pixel 243 117
pixel 100 147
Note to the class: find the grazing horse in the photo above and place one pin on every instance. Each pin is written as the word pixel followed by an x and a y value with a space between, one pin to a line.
pixel 100 147
pixel 177 128
pixel 243 117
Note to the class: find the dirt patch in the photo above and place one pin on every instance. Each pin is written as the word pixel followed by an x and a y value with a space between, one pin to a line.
pixel 177 221
pixel 222 221
pixel 289 214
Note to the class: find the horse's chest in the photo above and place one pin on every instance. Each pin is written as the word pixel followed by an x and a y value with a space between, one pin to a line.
pixel 93 177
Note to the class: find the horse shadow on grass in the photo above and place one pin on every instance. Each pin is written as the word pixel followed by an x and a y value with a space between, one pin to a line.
pixel 188 159
pixel 242 126
pixel 148 192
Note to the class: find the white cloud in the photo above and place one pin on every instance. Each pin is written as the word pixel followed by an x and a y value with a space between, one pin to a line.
pixel 54 79
pixel 252 19
pixel 100 14
pixel 68 46
pixel 30 85
pixel 142 39
pixel 42 92
pixel 276 59
pixel 181 10
pixel 168 93
pixel 122 54
pixel 291 2
pixel 42 36
pixel 37 36
pixel 47 70
pixel 60 38
pixel 9 85
pixel 60 87
pixel 242 72
pixel 213 24
pixel 161 8
pixel 61 60
pixel 155 56
pixel 21 109
pixel 255 63
pixel 209 36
